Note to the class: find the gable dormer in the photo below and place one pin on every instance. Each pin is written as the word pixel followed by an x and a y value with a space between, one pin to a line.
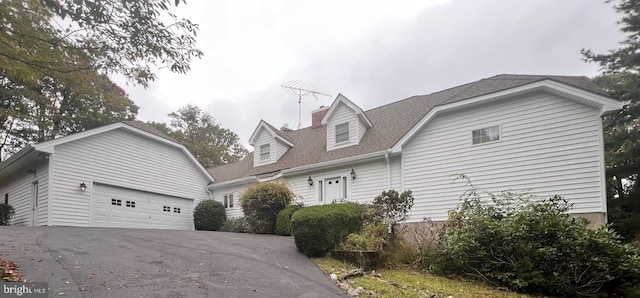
pixel 269 144
pixel 346 123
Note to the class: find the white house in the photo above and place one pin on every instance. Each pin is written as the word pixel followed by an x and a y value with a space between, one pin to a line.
pixel 542 133
pixel 127 175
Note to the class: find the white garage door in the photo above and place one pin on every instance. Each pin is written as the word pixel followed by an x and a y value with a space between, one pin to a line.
pixel 119 207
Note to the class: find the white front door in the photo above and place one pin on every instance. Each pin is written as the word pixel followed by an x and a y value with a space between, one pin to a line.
pixel 34 203
pixel 333 187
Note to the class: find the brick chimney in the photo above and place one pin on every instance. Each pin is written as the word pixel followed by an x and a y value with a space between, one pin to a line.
pixel 317 115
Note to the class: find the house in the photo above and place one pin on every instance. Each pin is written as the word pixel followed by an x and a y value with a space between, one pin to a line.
pixel 126 175
pixel 517 132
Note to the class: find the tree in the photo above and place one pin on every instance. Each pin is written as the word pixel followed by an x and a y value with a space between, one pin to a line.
pixel 211 144
pixel 125 37
pixel 621 79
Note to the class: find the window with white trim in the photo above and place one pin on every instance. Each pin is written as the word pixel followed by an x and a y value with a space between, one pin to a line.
pixel 176 210
pixel 166 209
pixel 131 204
pixel 342 132
pixel 486 135
pixel 116 202
pixel 265 152
pixel 228 201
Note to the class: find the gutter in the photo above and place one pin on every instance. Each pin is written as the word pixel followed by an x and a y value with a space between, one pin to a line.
pixel 233 182
pixel 16 157
pixel 336 162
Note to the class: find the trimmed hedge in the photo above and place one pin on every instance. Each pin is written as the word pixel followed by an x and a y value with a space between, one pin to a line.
pixel 209 215
pixel 261 203
pixel 318 229
pixel 235 225
pixel 283 222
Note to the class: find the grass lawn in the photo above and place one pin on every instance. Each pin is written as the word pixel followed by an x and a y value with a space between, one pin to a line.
pixel 409 283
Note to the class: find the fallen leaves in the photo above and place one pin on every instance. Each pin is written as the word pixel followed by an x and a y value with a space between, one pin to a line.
pixel 9 271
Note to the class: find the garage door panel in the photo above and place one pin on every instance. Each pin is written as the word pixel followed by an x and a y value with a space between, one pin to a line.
pixel 114 206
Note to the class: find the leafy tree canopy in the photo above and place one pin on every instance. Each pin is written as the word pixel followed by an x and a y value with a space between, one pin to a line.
pixel 126 37
pixel 211 144
pixel 621 79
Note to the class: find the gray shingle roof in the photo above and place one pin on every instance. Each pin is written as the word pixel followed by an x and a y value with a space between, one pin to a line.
pixel 148 128
pixel 390 123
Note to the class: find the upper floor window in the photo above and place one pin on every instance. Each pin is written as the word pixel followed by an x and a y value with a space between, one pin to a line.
pixel 265 152
pixel 342 132
pixel 486 135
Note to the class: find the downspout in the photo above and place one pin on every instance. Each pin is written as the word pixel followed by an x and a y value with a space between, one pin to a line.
pixel 386 158
pixel 206 188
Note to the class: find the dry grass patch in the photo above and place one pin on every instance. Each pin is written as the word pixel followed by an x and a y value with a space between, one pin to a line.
pixel 406 283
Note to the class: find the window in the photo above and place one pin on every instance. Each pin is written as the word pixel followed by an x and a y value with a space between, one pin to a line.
pixel 342 132
pixel 228 201
pixel 486 135
pixel 131 204
pixel 320 194
pixel 265 152
pixel 166 208
pixel 176 210
pixel 6 199
pixel 115 202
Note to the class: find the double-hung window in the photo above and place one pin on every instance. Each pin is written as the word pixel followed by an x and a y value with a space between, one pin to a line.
pixel 228 201
pixel 486 135
pixel 265 152
pixel 342 132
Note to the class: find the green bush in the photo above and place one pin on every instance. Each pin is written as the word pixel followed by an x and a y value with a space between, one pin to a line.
pixel 283 222
pixel 372 237
pixel 318 229
pixel 261 204
pixel 209 215
pixel 6 213
pixel 235 225
pixel 531 245
pixel 394 207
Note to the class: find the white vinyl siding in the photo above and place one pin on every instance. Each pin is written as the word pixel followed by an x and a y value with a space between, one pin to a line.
pixel 20 196
pixel 237 190
pixel 281 149
pixel 548 144
pixel 118 158
pixel 371 180
pixel 264 138
pixel 362 128
pixel 342 114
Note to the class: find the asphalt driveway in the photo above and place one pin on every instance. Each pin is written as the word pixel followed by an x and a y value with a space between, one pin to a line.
pixel 101 262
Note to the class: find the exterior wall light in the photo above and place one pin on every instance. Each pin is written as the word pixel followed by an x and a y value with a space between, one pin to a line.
pixel 353 174
pixel 83 187
pixel 310 181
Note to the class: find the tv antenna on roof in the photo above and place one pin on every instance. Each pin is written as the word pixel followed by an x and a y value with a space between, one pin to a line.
pixel 301 89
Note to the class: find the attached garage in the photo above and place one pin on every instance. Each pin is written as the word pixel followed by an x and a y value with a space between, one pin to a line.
pixel 119 207
pixel 124 175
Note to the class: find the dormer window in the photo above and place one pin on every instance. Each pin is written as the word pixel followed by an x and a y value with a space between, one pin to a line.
pixel 265 152
pixel 342 132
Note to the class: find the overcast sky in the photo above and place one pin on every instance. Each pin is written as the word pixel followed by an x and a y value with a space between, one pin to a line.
pixel 373 52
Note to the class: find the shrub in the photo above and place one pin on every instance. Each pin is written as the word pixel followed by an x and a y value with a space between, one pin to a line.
pixel 283 222
pixel 531 245
pixel 6 213
pixel 318 229
pixel 235 225
pixel 372 237
pixel 209 215
pixel 394 207
pixel 261 204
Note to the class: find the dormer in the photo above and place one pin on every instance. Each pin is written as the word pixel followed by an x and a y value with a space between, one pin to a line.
pixel 346 123
pixel 269 144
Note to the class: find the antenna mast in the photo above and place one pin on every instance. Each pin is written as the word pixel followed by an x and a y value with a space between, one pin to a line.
pixel 301 89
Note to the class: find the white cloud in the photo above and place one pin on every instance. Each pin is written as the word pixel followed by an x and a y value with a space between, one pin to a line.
pixel 374 52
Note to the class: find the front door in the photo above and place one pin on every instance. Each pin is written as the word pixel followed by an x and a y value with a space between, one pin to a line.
pixel 334 189
pixel 34 203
